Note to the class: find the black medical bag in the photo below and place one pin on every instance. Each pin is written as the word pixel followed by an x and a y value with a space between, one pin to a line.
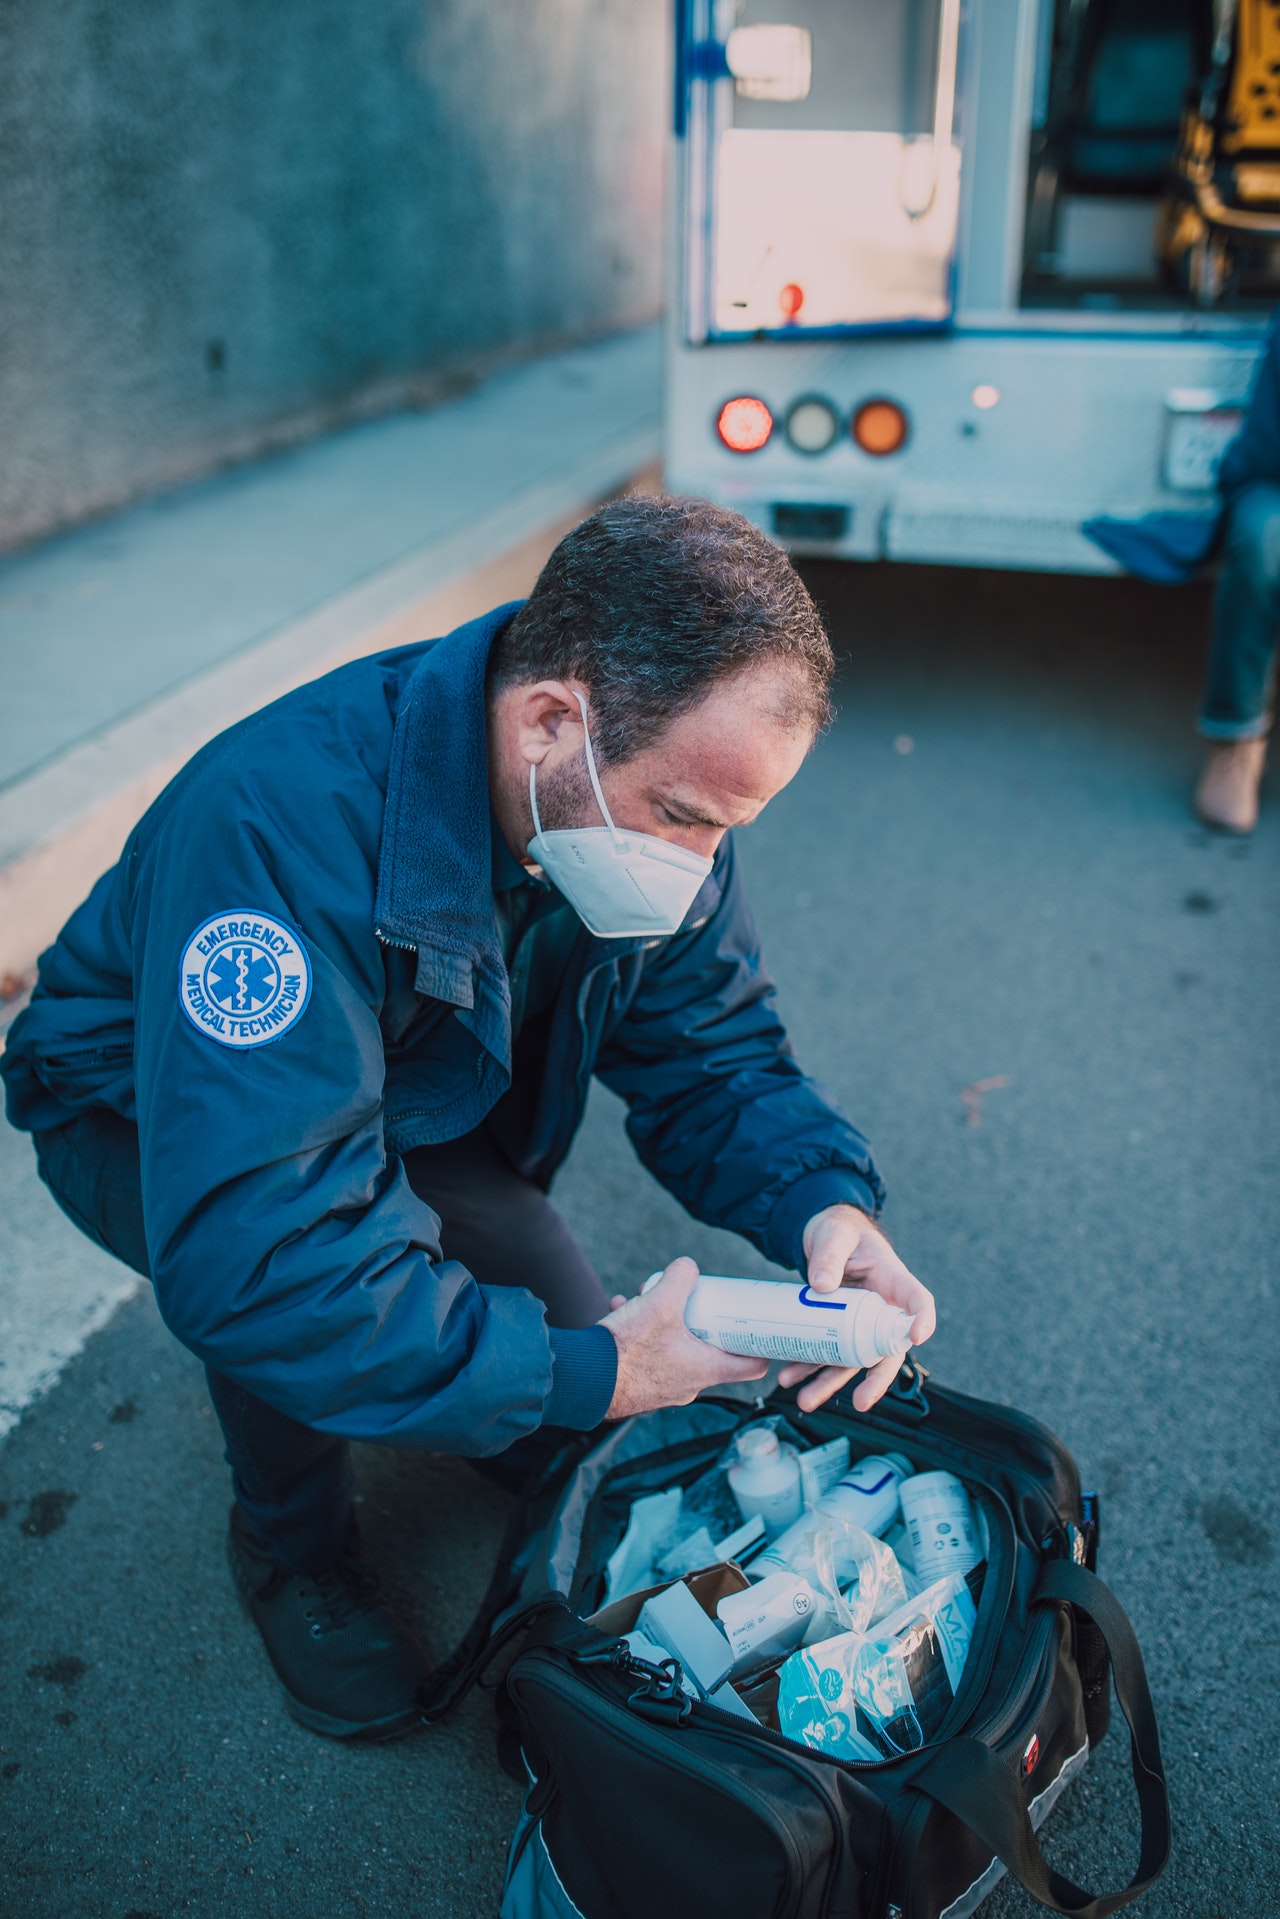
pixel 645 1804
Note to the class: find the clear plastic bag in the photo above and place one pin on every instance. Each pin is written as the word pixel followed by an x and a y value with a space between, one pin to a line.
pixel 855 1576
pixel 875 1694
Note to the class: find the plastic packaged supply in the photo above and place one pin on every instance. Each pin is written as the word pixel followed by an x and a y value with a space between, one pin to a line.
pixel 767 1619
pixel 877 1694
pixel 855 1577
pixel 940 1525
pixel 631 1563
pixel 866 1498
pixel 692 1551
pixel 765 1479
pixel 900 1546
pixel 777 1319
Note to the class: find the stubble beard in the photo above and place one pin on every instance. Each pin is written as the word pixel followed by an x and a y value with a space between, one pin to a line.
pixel 565 799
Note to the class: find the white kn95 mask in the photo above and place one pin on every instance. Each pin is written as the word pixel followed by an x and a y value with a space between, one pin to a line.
pixel 621 885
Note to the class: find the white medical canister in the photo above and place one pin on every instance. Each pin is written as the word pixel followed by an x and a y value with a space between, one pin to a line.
pixel 776 1319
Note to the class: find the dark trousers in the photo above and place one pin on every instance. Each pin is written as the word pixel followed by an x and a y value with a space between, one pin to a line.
pixel 296 1485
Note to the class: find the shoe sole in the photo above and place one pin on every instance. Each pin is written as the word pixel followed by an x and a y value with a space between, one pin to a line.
pixel 374 1731
pixel 378 1732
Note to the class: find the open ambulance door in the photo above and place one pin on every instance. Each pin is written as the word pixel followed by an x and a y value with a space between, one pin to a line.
pixel 822 166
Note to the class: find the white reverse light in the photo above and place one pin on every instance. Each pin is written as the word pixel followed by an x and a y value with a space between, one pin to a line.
pixel 812 425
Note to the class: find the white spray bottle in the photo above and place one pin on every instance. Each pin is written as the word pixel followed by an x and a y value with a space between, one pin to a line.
pixel 778 1319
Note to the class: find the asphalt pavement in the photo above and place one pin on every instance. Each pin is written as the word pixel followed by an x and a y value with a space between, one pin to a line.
pixel 1051 1000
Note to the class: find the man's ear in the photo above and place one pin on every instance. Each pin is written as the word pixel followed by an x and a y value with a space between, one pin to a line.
pixel 543 710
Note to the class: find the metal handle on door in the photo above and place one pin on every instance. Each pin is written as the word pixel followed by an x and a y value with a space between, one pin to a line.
pixel 944 101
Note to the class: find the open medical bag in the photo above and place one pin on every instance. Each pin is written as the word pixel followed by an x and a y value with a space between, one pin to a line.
pixel 646 1804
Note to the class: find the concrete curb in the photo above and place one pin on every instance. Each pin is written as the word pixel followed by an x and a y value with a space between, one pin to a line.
pixel 65 823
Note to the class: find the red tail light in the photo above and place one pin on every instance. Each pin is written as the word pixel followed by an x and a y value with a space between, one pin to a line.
pixel 744 424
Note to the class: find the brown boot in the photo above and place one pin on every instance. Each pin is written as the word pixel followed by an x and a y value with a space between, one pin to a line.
pixel 1227 792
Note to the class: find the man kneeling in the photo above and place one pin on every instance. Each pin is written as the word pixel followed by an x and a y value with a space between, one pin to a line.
pixel 310 1055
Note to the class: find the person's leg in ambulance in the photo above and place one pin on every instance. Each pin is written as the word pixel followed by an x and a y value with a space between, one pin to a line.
pixel 1234 714
pixel 348 1665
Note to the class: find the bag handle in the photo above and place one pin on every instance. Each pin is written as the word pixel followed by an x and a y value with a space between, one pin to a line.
pixel 450 1683
pixel 981 1790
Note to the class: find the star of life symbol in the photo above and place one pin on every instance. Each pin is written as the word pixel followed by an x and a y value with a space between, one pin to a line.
pixel 245 978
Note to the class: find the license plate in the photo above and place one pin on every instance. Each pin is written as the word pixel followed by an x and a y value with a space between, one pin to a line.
pixel 1199 429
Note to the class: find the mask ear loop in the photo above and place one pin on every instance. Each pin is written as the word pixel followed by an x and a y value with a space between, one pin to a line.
pixel 594 777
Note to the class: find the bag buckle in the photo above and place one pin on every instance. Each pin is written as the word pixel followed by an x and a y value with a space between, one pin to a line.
pixel 660 1695
pixel 907 1388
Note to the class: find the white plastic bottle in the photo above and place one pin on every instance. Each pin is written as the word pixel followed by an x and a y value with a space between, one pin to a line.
pixel 867 1496
pixel 776 1319
pixel 940 1526
pixel 765 1479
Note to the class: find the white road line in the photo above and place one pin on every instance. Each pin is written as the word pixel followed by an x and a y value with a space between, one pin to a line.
pixel 56 1289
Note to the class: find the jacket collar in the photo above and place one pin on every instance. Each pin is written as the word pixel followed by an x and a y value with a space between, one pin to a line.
pixel 435 889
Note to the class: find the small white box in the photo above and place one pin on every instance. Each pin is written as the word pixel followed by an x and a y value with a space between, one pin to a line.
pixel 675 1620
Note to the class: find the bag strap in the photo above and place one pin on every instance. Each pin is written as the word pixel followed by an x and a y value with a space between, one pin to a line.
pixel 981 1789
pixel 488 1632
pixel 450 1683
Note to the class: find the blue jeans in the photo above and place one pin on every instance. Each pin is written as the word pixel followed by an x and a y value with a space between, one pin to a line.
pixel 296 1485
pixel 1246 620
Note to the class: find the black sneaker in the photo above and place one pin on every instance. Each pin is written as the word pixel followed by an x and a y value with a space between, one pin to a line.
pixel 348 1666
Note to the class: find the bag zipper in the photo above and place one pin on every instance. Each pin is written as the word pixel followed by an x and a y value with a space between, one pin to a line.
pixel 1001 1723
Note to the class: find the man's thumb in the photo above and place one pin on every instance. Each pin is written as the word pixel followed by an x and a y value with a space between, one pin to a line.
pixel 679 1278
pixel 826 1262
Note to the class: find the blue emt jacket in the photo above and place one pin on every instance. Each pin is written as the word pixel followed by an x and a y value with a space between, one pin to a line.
pixel 287 1247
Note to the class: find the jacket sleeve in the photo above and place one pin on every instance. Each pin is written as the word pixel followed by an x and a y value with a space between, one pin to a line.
pixel 287 1249
pixel 719 1110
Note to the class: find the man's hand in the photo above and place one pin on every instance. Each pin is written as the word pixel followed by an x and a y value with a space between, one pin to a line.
pixel 660 1363
pixel 842 1244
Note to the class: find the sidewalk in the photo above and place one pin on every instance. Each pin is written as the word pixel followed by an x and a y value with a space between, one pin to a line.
pixel 127 644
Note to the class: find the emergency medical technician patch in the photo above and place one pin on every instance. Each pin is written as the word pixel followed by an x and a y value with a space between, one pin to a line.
pixel 245 979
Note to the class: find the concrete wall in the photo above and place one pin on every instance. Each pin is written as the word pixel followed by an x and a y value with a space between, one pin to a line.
pixel 225 224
